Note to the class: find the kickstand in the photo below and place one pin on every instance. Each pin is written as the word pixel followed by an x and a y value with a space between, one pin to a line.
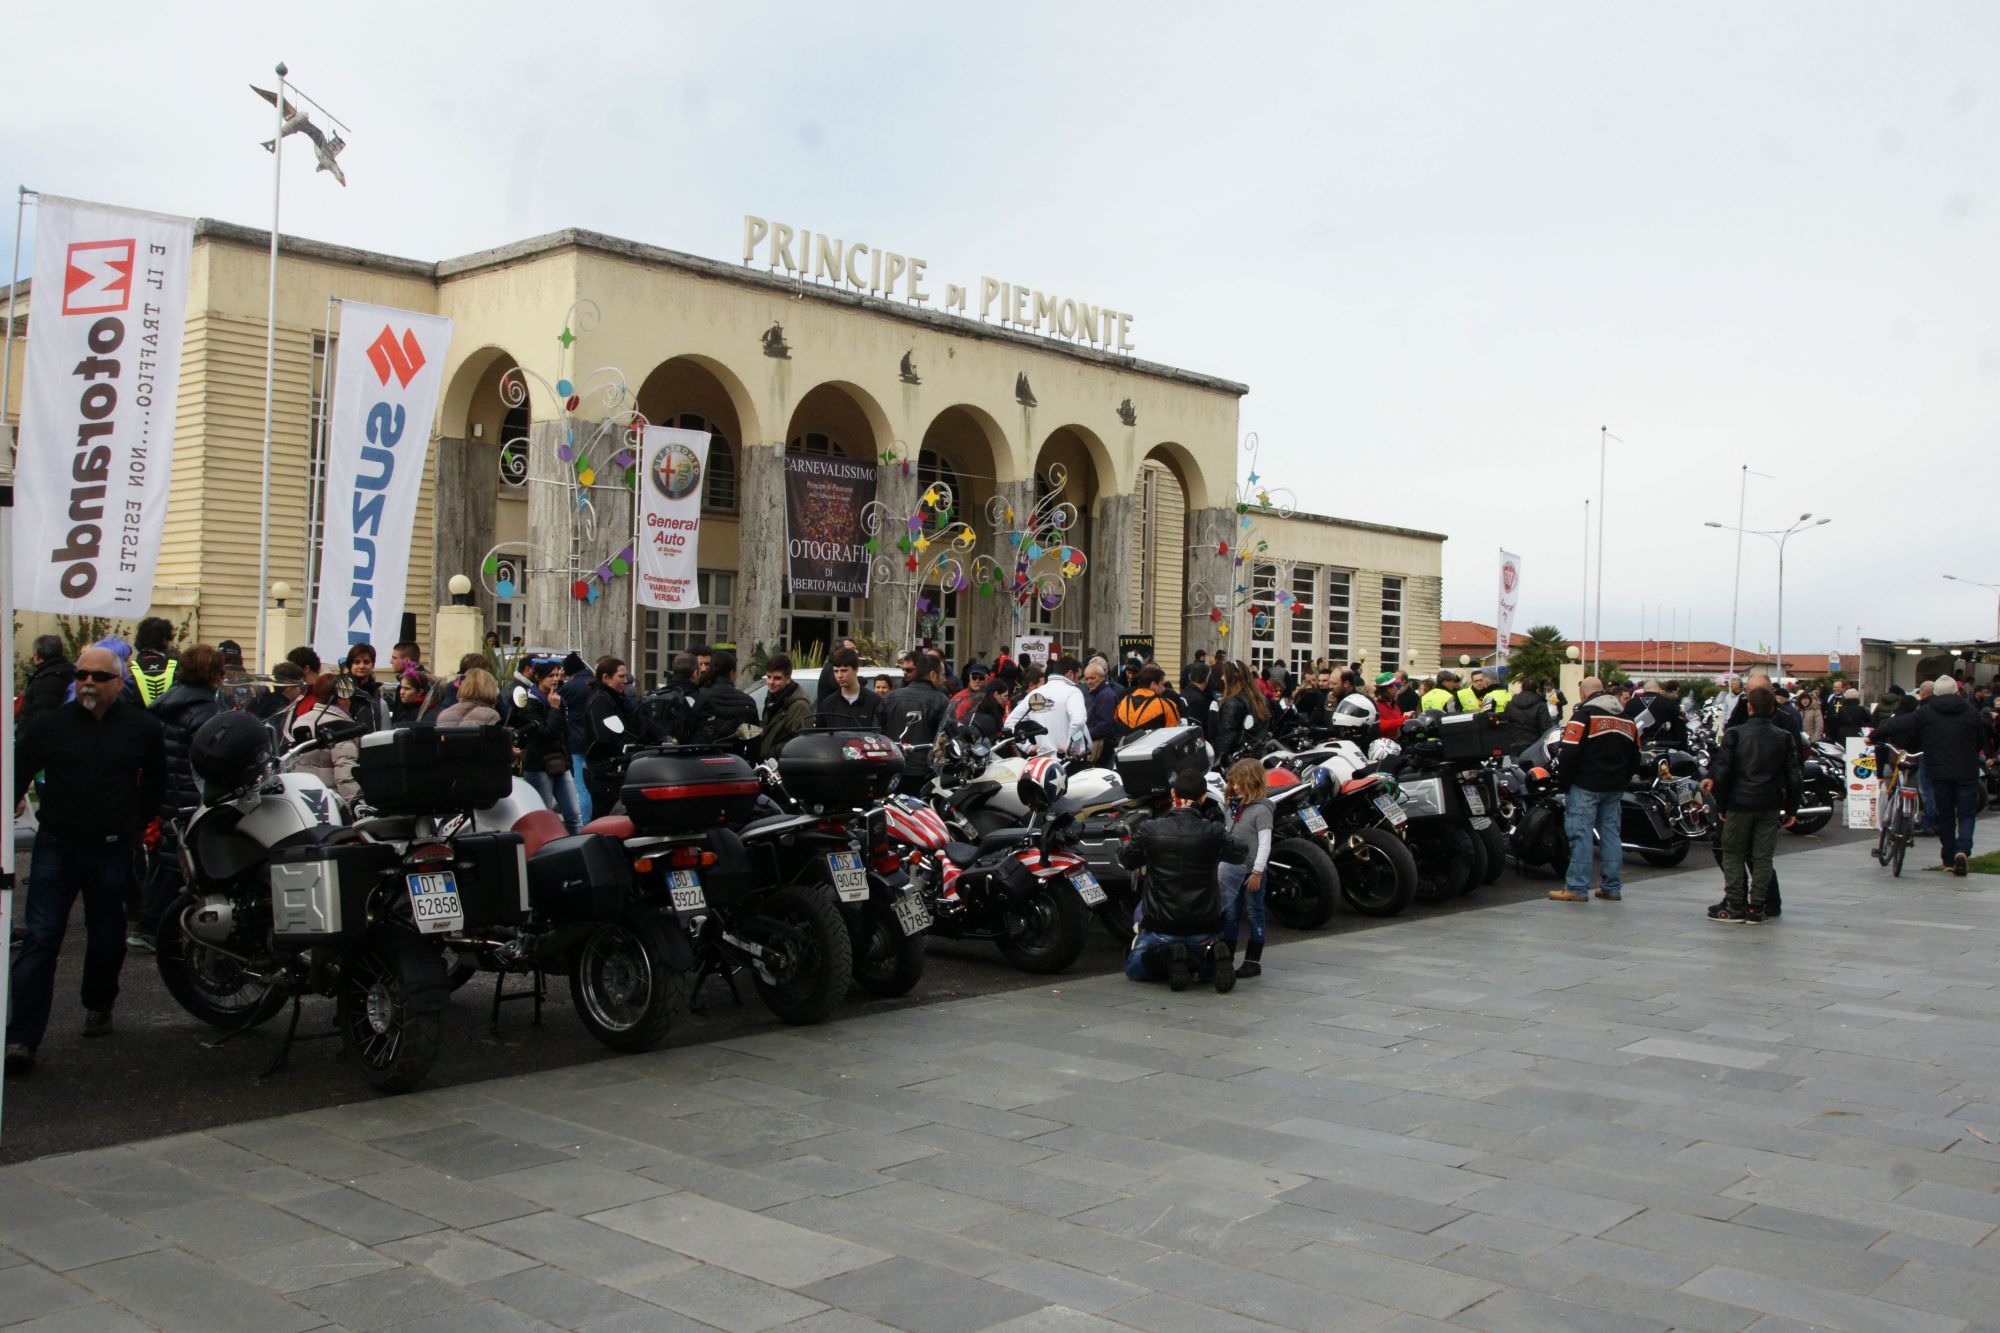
pixel 538 992
pixel 709 969
pixel 282 1056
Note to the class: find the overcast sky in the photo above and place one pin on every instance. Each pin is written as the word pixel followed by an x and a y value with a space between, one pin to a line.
pixel 1443 244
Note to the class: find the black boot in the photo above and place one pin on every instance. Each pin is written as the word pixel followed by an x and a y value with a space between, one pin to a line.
pixel 1221 958
pixel 1178 971
pixel 1251 966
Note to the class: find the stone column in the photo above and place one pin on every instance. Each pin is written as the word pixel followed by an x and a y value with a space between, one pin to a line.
pixel 892 605
pixel 559 553
pixel 1209 575
pixel 468 490
pixel 1110 574
pixel 760 578
pixel 988 622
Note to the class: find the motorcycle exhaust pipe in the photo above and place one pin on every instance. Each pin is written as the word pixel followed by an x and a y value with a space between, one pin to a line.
pixel 1813 810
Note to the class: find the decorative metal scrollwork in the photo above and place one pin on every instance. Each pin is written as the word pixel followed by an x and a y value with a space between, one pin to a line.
pixel 1038 561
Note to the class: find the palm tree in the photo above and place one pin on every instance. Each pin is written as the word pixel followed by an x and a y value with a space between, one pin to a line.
pixel 1540 657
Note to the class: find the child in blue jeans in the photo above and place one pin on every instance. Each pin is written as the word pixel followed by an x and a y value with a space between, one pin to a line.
pixel 1249 822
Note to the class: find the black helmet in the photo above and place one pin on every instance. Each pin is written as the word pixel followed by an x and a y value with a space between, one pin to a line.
pixel 229 749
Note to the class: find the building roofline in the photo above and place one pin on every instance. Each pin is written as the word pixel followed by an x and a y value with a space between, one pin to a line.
pixel 1332 520
pixel 639 252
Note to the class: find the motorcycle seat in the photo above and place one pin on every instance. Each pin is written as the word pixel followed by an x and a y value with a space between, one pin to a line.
pixel 1359 784
pixel 961 854
pixel 1007 837
pixel 388 828
pixel 612 826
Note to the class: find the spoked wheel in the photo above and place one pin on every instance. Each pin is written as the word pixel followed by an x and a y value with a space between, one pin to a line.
pixel 1378 876
pixel 1899 844
pixel 205 981
pixel 1302 884
pixel 389 1009
pixel 808 961
pixel 887 963
pixel 625 991
pixel 1052 924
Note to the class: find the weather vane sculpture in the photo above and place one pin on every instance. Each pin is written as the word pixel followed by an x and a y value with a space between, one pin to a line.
pixel 1038 562
pixel 1248 551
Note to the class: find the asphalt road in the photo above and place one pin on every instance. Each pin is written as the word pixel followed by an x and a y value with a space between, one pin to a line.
pixel 156 1075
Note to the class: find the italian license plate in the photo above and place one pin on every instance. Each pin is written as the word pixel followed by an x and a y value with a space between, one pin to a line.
pixel 1087 887
pixel 850 881
pixel 685 888
pixel 1315 821
pixel 1392 810
pixel 1474 800
pixel 434 902
pixel 913 914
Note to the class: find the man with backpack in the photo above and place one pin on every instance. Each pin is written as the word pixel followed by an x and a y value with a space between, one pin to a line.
pixel 721 711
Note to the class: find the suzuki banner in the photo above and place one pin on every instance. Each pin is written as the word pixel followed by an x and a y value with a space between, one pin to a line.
pixel 670 517
pixel 97 407
pixel 385 389
pixel 826 548
pixel 1510 596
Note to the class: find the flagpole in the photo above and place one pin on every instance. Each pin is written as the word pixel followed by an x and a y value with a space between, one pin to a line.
pixel 270 371
pixel 316 454
pixel 7 619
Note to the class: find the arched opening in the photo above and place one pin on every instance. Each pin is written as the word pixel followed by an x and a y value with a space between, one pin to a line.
pixel 961 449
pixel 1159 560
pixel 839 420
pixel 1072 470
pixel 482 485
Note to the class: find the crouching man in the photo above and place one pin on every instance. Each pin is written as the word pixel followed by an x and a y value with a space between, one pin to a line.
pixel 1180 897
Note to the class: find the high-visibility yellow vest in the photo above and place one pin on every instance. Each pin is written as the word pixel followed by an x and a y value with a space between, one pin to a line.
pixel 153 684
pixel 1436 699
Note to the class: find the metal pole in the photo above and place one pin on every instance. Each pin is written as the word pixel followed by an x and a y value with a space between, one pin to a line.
pixel 1583 612
pixel 7 619
pixel 1736 588
pixel 13 281
pixel 270 371
pixel 1597 644
pixel 1780 674
pixel 316 462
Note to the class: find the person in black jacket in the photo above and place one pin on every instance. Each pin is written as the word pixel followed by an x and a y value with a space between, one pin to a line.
pixel 1198 700
pixel 1180 895
pixel 1757 784
pixel 542 733
pixel 1845 717
pixel 913 716
pixel 610 722
pixel 1950 734
pixel 1596 755
pixel 105 767
pixel 1525 720
pixel 670 709
pixel 1242 716
pixel 191 700
pixel 48 681
pixel 849 703
pixel 721 711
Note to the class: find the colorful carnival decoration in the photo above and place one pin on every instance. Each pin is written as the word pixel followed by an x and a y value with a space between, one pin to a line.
pixel 921 554
pixel 597 455
pixel 1257 582
pixel 1038 561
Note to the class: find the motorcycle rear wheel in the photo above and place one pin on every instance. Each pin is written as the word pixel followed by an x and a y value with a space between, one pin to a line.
pixel 1811 824
pixel 198 978
pixel 1496 852
pixel 389 1010
pixel 887 963
pixel 1054 925
pixel 803 926
pixel 1667 857
pixel 1444 853
pixel 1378 878
pixel 1301 884
pixel 626 994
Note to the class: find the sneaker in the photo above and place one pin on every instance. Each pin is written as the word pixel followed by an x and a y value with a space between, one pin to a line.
pixel 1178 971
pixel 20 1059
pixel 1753 916
pixel 1565 896
pixel 1252 968
pixel 1732 916
pixel 140 942
pixel 1958 865
pixel 97 1022
pixel 1223 959
pixel 1608 897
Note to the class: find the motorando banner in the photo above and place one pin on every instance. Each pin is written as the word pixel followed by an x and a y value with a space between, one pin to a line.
pixel 1510 597
pixel 97 409
pixel 670 516
pixel 385 390
pixel 826 552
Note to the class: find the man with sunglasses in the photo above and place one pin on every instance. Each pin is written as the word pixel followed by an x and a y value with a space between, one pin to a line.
pixel 104 761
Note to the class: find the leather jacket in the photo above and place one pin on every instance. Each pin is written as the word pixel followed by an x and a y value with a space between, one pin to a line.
pixel 1181 853
pixel 1599 747
pixel 1757 768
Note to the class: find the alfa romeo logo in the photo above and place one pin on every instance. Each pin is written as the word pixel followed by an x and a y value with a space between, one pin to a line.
pixel 675 471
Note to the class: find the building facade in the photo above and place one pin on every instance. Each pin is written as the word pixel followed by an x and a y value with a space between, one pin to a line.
pixel 766 363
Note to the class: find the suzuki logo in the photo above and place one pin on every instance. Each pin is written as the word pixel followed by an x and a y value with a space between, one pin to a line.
pixel 403 360
pixel 98 278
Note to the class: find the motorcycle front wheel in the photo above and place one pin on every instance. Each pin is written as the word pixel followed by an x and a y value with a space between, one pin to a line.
pixel 1668 856
pixel 1301 885
pixel 204 981
pixel 1378 877
pixel 1810 825
pixel 389 1009
pixel 1496 852
pixel 811 961
pixel 1444 850
pixel 887 963
pixel 1053 923
pixel 625 991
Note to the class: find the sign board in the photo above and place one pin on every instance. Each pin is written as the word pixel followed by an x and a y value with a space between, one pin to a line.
pixel 826 546
pixel 1864 784
pixel 670 517
pixel 1041 647
pixel 1139 644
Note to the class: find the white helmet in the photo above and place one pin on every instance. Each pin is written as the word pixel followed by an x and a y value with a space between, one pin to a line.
pixel 1383 749
pixel 1356 712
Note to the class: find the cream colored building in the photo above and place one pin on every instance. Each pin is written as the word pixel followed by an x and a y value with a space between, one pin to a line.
pixel 765 362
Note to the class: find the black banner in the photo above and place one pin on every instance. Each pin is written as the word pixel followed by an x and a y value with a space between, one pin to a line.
pixel 826 550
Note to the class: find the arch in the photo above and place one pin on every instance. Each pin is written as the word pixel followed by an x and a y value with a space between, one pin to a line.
pixel 474 394
pixel 1187 471
pixel 847 413
pixel 1092 470
pixel 695 392
pixel 973 443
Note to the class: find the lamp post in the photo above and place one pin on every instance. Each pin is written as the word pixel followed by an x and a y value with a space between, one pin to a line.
pixel 1777 537
pixel 1993 588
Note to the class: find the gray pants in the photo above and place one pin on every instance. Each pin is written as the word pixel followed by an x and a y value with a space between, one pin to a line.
pixel 1749 841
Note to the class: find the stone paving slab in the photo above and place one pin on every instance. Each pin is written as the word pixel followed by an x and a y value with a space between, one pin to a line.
pixel 1536 1116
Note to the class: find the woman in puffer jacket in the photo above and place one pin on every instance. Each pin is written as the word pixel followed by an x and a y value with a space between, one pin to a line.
pixel 333 765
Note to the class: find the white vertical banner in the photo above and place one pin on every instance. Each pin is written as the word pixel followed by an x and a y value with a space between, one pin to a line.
pixel 97 409
pixel 1864 785
pixel 385 391
pixel 675 462
pixel 1510 596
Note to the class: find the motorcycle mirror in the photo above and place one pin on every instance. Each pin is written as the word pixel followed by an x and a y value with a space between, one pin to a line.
pixel 615 725
pixel 1030 728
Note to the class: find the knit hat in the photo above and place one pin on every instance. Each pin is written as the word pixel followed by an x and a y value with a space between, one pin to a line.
pixel 1386 678
pixel 574 665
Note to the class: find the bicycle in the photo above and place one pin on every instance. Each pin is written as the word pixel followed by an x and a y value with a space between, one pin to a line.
pixel 1901 807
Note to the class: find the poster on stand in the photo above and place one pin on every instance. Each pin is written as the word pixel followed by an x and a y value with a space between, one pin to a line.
pixel 1864 784
pixel 826 548
pixel 676 462
pixel 97 408
pixel 1510 597
pixel 1041 647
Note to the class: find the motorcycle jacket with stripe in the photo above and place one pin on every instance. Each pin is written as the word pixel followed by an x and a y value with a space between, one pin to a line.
pixel 1599 747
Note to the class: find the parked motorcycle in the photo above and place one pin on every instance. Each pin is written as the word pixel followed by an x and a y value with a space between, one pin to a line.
pixel 1448 828
pixel 1825 771
pixel 1361 821
pixel 1662 811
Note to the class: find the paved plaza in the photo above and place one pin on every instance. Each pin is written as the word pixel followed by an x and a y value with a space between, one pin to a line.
pixel 1532 1117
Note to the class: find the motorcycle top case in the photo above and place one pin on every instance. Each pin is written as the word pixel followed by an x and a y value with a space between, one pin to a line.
pixel 582 878
pixel 435 770
pixel 1147 762
pixel 685 789
pixel 1470 735
pixel 492 874
pixel 319 892
pixel 840 770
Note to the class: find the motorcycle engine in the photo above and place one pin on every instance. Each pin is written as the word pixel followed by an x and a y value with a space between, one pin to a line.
pixel 214 920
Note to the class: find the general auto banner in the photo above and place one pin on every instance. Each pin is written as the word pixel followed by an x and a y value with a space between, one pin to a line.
pixel 825 548
pixel 385 390
pixel 670 516
pixel 97 408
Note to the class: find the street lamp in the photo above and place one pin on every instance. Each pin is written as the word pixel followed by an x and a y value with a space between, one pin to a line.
pixel 1778 537
pixel 1993 588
